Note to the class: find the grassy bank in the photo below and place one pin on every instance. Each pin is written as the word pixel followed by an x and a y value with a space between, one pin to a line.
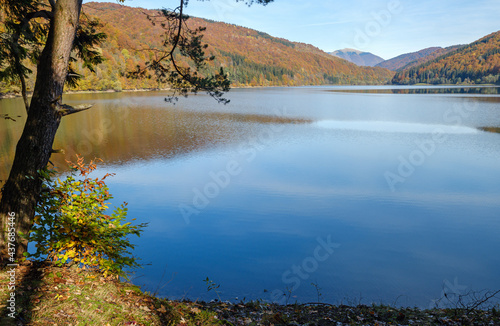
pixel 49 295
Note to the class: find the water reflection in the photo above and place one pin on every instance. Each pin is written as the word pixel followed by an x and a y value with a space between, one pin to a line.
pixel 125 129
pixel 394 127
pixel 493 90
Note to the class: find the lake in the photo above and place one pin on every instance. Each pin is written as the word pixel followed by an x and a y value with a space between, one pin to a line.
pixel 347 194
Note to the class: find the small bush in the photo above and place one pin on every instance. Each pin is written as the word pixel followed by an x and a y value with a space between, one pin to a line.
pixel 71 225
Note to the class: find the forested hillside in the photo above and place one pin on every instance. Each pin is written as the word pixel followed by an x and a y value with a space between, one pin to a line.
pixel 404 59
pixel 476 63
pixel 431 56
pixel 250 57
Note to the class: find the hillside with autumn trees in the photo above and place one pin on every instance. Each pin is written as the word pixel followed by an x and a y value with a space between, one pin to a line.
pixel 429 57
pixel 476 63
pixel 250 57
pixel 404 59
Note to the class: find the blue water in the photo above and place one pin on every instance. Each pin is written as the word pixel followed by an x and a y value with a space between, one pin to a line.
pixel 373 197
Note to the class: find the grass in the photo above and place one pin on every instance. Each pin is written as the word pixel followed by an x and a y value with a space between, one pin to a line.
pixel 50 295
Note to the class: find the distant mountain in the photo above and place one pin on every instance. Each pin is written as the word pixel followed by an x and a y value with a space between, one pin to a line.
pixel 404 59
pixel 358 57
pixel 432 56
pixel 476 63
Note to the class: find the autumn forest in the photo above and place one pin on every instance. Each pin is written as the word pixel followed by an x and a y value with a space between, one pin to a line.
pixel 253 58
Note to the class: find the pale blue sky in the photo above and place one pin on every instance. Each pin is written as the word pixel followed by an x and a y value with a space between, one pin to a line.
pixel 384 27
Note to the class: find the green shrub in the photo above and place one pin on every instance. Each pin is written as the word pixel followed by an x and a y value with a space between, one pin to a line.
pixel 71 225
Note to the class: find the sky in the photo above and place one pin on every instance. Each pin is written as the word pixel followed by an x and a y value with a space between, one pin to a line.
pixel 386 28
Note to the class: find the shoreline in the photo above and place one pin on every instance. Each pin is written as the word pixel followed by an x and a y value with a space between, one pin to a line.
pixel 16 95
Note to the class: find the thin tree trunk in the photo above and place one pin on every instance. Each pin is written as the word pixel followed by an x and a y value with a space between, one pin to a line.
pixel 22 189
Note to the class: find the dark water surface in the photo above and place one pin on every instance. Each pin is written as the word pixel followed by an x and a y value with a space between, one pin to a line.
pixel 376 195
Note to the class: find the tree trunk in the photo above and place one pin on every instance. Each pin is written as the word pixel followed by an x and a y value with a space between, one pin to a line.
pixel 22 189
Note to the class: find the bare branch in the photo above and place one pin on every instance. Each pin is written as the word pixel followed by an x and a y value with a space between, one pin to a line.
pixel 179 30
pixel 65 109
pixel 37 14
pixel 24 92
pixel 487 296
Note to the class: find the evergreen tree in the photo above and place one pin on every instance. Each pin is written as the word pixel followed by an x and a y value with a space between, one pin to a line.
pixel 47 32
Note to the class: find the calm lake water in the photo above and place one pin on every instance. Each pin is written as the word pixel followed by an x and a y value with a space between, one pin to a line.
pixel 372 194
